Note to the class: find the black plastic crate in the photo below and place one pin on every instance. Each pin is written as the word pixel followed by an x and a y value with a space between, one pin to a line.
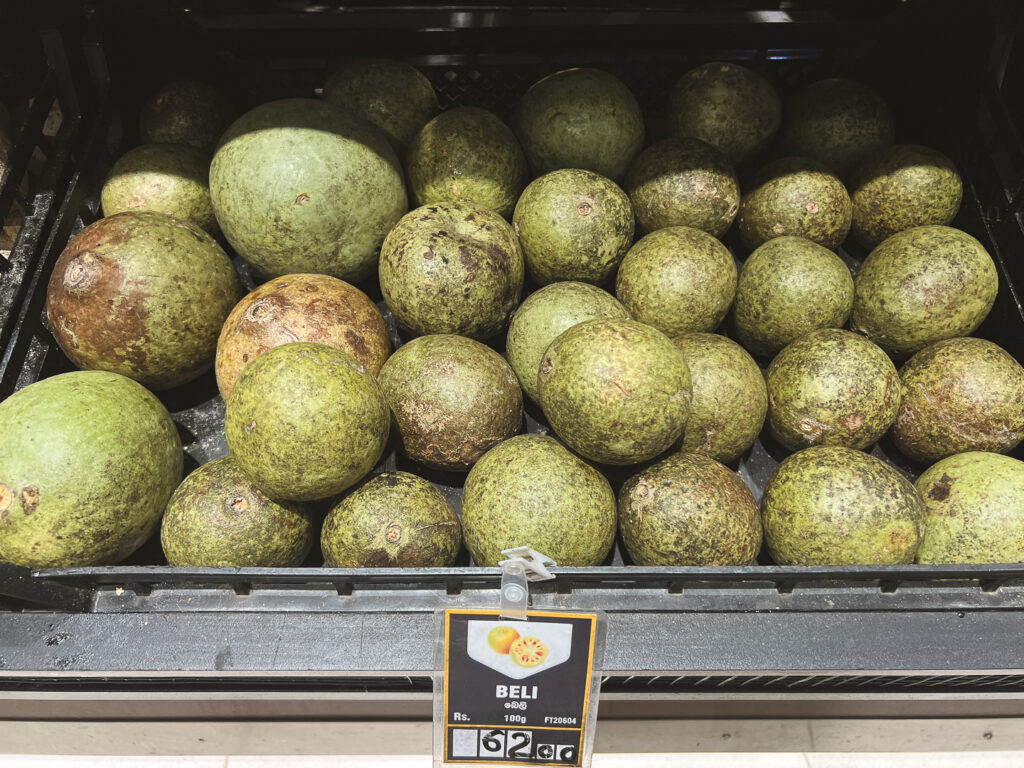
pixel 948 74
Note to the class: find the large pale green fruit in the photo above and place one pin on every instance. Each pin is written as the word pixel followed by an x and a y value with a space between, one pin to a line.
pixel 300 186
pixel 88 461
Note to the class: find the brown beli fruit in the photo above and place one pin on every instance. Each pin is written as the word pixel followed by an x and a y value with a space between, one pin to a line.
pixel 689 510
pixel 316 308
pixel 451 399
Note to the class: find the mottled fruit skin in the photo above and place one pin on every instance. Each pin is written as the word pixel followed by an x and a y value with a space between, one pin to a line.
pixel 468 155
pixel 573 225
pixel 730 399
pixel 728 106
pixel 975 510
pixel 301 186
pixel 185 112
pixel 615 391
pixel 452 399
pixel 530 491
pixel 901 187
pixel 315 308
pixel 677 279
pixel 837 122
pixel 923 285
pixel 830 505
pixel 393 95
pixel 218 518
pixel 831 387
pixel 452 268
pixel 689 510
pixel 580 118
pixel 960 395
pixel 788 287
pixel 544 315
pixel 306 421
pixel 393 520
pixel 88 461
pixel 165 178
pixel 143 295
pixel 683 183
pixel 795 196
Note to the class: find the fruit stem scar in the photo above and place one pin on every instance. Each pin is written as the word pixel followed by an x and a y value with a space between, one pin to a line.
pixel 81 272
pixel 393 533
pixel 584 209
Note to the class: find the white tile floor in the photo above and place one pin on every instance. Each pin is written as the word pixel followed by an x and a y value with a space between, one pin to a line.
pixel 793 743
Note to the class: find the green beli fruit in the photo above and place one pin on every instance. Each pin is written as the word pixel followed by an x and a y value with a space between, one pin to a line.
pixel 393 95
pixel 795 196
pixel 573 225
pixel 921 286
pixel 467 155
pixel 88 461
pixel 837 122
pixel 392 520
pixel 165 178
pixel 728 106
pixel 580 118
pixel 530 491
pixel 185 112
pixel 301 186
pixel 677 279
pixel 452 399
pixel 144 295
pixel 831 387
pixel 730 399
pixel 218 518
pixel 829 505
pixel 616 391
pixel 788 287
pixel 543 316
pixel 975 510
pixel 683 182
pixel 306 421
pixel 452 268
pixel 689 510
pixel 960 395
pixel 902 187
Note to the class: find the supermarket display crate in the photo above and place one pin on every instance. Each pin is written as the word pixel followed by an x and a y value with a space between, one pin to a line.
pixel 954 80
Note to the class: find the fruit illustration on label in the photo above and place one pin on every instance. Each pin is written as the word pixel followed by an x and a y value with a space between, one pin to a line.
pixel 502 638
pixel 528 651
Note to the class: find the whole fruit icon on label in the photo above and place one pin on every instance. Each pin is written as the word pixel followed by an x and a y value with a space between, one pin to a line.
pixel 528 651
pixel 502 638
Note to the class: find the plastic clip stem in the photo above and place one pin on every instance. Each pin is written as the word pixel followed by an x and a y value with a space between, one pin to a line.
pixel 522 566
pixel 515 594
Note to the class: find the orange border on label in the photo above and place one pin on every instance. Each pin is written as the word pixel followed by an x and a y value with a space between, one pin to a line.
pixel 586 695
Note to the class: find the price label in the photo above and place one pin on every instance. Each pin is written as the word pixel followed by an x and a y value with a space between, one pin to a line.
pixel 517 692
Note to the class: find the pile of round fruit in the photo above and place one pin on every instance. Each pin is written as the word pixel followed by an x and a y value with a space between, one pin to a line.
pixel 617 346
